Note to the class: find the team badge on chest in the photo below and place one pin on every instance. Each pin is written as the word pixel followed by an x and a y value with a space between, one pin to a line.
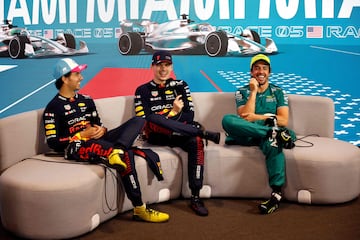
pixel 154 93
pixel 67 107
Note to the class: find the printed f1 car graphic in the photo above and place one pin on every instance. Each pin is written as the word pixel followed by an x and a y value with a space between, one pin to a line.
pixel 186 37
pixel 17 43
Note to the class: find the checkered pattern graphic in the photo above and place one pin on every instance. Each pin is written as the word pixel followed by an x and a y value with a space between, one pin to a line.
pixel 347 108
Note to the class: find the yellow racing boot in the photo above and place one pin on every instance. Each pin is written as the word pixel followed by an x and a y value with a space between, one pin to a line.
pixel 143 213
pixel 114 160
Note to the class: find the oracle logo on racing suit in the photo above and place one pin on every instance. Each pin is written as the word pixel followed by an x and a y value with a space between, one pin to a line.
pixel 76 120
pixel 160 107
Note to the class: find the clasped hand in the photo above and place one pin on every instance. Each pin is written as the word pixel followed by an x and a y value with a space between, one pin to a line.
pixel 251 117
pixel 93 132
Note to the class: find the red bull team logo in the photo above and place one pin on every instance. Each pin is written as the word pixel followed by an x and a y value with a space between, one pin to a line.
pixel 94 148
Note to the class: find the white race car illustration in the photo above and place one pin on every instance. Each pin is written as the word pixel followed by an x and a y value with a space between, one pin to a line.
pixel 17 43
pixel 186 37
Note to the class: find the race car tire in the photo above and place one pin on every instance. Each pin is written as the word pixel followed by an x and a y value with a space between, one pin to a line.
pixel 130 43
pixel 216 44
pixel 255 36
pixel 17 47
pixel 70 41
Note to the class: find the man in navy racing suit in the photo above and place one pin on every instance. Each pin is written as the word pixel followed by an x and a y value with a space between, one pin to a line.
pixel 73 126
pixel 167 106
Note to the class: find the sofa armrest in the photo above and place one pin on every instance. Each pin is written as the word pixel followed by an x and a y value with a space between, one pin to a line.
pixel 311 115
pixel 21 136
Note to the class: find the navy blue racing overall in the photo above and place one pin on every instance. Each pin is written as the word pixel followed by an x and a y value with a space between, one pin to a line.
pixel 64 117
pixel 154 102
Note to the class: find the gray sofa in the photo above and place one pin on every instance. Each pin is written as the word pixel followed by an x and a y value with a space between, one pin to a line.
pixel 44 197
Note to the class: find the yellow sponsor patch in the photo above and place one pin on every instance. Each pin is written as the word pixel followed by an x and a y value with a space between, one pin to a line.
pixel 50 132
pixel 81 104
pixel 49 126
pixel 168 92
pixel 138 108
pixel 140 114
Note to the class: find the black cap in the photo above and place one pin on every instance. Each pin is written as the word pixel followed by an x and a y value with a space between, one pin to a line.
pixel 161 56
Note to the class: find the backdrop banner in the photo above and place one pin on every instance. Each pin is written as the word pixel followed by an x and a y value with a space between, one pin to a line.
pixel 285 21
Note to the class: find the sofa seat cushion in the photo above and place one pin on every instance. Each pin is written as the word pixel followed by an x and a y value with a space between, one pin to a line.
pixel 37 191
pixel 65 198
pixel 327 172
pixel 231 171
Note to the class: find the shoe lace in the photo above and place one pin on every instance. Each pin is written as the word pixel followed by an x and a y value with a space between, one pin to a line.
pixel 276 196
pixel 197 202
pixel 151 211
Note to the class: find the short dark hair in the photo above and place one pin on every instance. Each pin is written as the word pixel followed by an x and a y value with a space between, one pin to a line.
pixel 59 82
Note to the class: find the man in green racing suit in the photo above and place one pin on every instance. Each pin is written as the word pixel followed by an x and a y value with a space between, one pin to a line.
pixel 262 117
